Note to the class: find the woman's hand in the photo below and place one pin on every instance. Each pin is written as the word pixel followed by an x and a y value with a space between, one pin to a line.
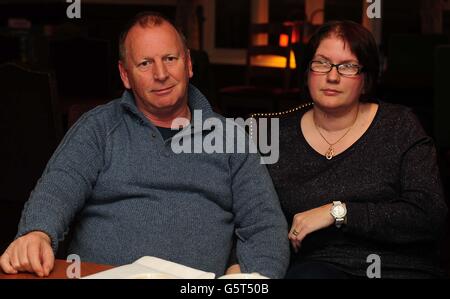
pixel 307 222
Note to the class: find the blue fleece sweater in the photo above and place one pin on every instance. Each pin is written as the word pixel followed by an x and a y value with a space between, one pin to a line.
pixel 133 196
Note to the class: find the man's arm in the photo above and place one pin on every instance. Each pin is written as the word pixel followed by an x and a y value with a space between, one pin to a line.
pixel 261 227
pixel 59 194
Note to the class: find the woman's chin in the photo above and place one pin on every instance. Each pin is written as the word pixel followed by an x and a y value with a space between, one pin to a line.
pixel 330 103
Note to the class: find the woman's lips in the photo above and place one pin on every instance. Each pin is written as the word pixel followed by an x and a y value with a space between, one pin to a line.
pixel 331 92
pixel 163 91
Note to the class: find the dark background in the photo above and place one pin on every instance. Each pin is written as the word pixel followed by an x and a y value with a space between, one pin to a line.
pixel 82 55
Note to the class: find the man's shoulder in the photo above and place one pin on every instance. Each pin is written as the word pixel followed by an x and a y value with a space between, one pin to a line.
pixel 105 116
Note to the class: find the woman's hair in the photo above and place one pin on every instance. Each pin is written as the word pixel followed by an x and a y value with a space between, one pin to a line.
pixel 362 45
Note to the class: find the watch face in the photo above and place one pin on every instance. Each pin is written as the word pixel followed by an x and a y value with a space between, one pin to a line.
pixel 338 211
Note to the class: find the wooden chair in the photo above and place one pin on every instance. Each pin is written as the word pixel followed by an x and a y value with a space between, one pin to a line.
pixel 203 78
pixel 410 60
pixel 272 33
pixel 82 69
pixel 265 87
pixel 30 130
pixel 441 120
pixel 408 79
pixel 441 130
pixel 10 49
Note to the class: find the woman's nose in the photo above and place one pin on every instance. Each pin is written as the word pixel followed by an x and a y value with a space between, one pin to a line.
pixel 333 75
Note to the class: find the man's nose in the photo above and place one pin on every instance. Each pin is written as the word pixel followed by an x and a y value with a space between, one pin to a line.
pixel 333 75
pixel 160 71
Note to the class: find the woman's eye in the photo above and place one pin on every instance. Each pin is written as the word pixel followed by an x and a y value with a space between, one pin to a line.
pixel 350 66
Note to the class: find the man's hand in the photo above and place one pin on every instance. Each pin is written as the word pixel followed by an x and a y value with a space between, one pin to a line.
pixel 29 253
pixel 307 222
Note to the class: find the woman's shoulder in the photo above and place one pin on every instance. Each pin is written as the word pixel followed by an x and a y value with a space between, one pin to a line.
pixel 400 120
pixel 395 111
pixel 399 114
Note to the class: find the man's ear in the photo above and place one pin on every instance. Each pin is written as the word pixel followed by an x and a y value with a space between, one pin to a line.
pixel 124 75
pixel 189 63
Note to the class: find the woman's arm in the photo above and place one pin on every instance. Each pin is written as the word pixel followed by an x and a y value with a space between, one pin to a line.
pixel 419 212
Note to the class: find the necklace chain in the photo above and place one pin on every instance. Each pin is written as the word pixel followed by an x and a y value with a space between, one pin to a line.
pixel 330 152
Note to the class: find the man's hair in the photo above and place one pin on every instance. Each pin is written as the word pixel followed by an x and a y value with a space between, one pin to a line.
pixel 146 19
pixel 361 43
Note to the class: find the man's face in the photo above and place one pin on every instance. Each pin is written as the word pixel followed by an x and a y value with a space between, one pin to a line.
pixel 157 68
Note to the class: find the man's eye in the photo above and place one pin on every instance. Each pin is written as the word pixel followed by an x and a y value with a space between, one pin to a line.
pixel 171 58
pixel 144 64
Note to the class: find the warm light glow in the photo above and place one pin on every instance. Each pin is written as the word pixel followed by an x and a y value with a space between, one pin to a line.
pixel 284 40
pixel 260 39
pixel 295 35
pixel 273 61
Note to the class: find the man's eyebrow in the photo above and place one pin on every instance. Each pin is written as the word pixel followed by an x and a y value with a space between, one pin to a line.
pixel 145 58
pixel 344 61
pixel 174 53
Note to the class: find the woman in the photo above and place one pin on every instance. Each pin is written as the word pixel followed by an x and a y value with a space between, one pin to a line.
pixel 356 177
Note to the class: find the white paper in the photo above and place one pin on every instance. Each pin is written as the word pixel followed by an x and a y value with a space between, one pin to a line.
pixel 152 267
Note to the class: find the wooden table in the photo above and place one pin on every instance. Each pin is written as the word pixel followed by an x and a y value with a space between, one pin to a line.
pixel 59 271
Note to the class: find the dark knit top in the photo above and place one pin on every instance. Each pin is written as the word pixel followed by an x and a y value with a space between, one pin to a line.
pixel 390 183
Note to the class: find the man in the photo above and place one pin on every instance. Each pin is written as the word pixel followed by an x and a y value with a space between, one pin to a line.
pixel 133 196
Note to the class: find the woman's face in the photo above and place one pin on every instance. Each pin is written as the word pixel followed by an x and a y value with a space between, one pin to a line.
pixel 332 90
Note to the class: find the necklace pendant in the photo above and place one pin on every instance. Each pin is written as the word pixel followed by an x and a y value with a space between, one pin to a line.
pixel 330 153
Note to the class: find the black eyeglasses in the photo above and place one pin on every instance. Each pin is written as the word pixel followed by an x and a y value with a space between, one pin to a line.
pixel 344 69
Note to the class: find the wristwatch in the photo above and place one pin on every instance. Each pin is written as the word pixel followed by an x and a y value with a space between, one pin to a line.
pixel 338 211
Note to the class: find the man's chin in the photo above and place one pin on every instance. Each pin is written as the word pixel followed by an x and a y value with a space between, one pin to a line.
pixel 166 105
